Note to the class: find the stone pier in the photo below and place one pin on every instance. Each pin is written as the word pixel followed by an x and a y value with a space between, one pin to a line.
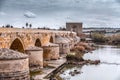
pixel 13 65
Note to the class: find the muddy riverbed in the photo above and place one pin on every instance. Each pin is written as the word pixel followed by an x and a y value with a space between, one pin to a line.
pixel 108 69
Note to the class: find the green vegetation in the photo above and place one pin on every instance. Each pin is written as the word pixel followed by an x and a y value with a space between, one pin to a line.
pixel 99 37
pixel 33 73
pixel 75 57
pixel 115 39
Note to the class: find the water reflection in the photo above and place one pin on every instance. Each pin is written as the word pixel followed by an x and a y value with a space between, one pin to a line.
pixel 107 54
pixel 109 69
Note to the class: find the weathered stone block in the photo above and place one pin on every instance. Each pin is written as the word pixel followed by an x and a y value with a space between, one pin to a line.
pixel 64 44
pixel 35 56
pixel 51 51
pixel 13 65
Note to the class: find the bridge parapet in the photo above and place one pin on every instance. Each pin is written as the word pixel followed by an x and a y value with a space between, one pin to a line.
pixel 28 37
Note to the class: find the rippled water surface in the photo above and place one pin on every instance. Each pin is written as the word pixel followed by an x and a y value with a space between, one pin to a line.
pixel 108 69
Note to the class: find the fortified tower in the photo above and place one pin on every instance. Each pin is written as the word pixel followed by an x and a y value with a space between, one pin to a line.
pixel 75 27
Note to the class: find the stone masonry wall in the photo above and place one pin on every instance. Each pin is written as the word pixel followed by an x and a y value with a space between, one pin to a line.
pixel 14 69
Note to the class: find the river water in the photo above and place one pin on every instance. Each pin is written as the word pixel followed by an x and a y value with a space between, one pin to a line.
pixel 108 69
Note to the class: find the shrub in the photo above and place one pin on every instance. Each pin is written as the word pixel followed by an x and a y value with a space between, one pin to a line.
pixel 80 48
pixel 76 57
pixel 115 39
pixel 98 37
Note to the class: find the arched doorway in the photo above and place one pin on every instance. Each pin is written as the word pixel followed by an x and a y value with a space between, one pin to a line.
pixel 51 39
pixel 17 45
pixel 38 43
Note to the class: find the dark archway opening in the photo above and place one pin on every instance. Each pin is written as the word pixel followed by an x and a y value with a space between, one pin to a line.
pixel 51 39
pixel 17 45
pixel 38 43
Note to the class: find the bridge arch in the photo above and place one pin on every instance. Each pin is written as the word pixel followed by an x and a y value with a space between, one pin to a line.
pixel 38 42
pixel 51 39
pixel 17 45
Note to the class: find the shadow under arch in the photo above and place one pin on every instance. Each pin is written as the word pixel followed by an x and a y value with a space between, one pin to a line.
pixel 51 39
pixel 38 42
pixel 17 45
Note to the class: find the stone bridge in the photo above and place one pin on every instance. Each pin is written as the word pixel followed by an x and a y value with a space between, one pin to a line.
pixel 39 45
pixel 20 39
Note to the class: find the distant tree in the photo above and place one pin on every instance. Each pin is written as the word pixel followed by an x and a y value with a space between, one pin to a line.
pixel 38 28
pixel 44 27
pixel 23 27
pixel 62 28
pixel 7 26
pixel 2 26
pixel 11 26
pixel 26 25
pixel 30 25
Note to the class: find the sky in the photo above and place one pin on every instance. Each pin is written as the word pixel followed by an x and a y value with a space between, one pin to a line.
pixel 55 13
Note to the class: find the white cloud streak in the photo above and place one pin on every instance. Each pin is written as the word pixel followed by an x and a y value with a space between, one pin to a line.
pixel 57 12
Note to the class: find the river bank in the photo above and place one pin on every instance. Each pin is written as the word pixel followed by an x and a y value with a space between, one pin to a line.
pixel 55 66
pixel 75 57
pixel 107 69
pixel 43 73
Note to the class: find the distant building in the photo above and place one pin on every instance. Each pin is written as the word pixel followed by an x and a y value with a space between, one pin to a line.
pixel 75 27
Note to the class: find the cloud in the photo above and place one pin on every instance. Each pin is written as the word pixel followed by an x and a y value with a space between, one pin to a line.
pixel 1 3
pixel 118 1
pixel 2 13
pixel 29 14
pixel 87 11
